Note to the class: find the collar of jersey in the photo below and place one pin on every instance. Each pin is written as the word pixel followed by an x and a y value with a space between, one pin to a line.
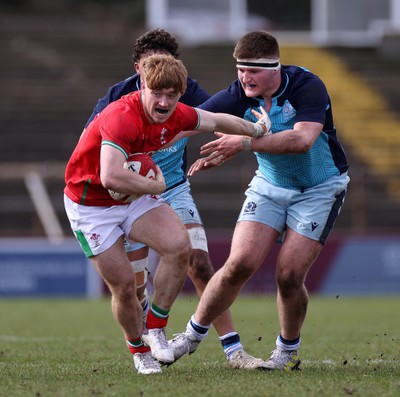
pixel 283 85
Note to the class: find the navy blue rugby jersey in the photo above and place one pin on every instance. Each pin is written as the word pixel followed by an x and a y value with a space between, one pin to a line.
pixel 171 160
pixel 302 96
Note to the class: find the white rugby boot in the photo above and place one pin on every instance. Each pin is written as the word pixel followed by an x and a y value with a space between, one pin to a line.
pixel 160 349
pixel 146 364
pixel 287 360
pixel 184 343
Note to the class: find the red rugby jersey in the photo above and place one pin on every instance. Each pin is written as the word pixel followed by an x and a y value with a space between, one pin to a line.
pixel 124 125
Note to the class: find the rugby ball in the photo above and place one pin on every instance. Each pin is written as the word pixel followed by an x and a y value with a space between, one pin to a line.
pixel 140 163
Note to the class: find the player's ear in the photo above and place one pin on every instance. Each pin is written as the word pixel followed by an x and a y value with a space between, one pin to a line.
pixel 137 68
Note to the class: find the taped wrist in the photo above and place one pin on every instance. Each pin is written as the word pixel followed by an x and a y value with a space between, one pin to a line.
pixel 246 144
pixel 260 130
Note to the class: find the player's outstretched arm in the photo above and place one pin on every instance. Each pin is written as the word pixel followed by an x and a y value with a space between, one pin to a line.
pixel 226 123
pixel 230 124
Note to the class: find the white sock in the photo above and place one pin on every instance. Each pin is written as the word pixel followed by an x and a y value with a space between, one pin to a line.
pixel 283 344
pixel 198 330
pixel 230 343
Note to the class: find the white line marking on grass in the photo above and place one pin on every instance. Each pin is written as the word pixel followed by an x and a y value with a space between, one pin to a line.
pixel 341 363
pixel 45 339
pixel 318 362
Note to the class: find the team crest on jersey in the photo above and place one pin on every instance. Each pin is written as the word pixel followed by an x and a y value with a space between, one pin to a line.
pixel 162 136
pixel 288 110
pixel 250 208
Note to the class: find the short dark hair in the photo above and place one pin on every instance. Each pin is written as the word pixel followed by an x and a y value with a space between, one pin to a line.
pixel 256 45
pixel 156 40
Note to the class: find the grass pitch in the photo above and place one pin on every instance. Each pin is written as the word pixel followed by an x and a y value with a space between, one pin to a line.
pixel 350 347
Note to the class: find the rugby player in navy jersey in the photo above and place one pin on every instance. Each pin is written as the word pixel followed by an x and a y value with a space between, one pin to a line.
pixel 298 189
pixel 172 162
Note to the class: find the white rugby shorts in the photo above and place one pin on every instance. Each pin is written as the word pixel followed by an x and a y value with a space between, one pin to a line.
pixel 98 228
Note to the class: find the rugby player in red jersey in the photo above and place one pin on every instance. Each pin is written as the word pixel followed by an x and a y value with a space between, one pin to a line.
pixel 143 121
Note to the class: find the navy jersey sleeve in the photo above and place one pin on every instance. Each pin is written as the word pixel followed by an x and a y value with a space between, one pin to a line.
pixel 311 101
pixel 114 93
pixel 194 94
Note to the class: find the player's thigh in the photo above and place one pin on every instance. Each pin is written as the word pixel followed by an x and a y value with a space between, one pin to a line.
pixel 113 265
pixel 296 255
pixel 161 229
pixel 199 259
pixel 251 243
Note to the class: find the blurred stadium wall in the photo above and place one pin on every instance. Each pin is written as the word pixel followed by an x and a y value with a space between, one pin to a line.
pixel 59 57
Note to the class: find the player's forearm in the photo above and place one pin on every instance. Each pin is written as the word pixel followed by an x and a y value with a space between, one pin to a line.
pixel 285 142
pixel 230 124
pixel 128 182
pixel 236 126
pixel 298 140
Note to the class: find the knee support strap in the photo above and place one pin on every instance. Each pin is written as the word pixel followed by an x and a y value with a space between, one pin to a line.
pixel 198 238
pixel 140 268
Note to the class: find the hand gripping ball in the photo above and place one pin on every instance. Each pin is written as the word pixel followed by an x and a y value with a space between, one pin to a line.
pixel 141 163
